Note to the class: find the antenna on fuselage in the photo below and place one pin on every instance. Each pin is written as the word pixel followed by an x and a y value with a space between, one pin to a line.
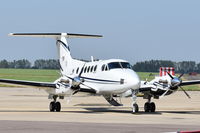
pixel 92 59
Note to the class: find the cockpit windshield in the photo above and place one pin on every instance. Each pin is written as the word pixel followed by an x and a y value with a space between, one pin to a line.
pixel 126 65
pixel 115 65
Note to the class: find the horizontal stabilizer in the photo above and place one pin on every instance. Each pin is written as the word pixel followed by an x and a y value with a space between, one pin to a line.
pixel 55 35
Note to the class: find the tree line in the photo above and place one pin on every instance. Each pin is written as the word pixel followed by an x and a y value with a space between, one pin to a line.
pixel 144 66
pixel 25 64
pixel 154 65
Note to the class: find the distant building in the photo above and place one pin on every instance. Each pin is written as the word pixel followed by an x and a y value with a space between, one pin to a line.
pixel 193 73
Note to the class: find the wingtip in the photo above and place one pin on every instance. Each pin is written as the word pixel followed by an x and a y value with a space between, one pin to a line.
pixel 10 34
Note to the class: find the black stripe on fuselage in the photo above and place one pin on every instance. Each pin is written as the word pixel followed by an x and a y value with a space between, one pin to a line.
pixel 100 80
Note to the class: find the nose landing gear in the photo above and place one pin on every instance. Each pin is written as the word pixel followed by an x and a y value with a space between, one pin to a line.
pixel 135 108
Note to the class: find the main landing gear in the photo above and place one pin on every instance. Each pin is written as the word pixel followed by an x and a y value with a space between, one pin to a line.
pixel 149 106
pixel 54 106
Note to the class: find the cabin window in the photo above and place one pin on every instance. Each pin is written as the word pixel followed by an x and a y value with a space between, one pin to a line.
pixel 103 67
pixel 95 68
pixel 85 69
pixel 91 69
pixel 88 70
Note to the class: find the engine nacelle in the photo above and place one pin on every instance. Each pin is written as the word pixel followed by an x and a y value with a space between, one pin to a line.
pixel 63 90
pixel 164 81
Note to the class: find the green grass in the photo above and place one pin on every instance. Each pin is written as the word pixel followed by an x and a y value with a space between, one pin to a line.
pixel 30 74
pixel 52 75
pixel 145 75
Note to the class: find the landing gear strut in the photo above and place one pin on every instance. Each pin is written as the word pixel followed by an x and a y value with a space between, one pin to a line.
pixel 149 106
pixel 135 108
pixel 54 106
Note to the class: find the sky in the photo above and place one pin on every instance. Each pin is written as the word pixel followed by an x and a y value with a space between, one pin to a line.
pixel 132 30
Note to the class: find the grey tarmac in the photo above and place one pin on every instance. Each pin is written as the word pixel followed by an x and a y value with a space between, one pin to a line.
pixel 26 110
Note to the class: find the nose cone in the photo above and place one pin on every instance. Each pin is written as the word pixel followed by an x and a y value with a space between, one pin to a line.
pixel 133 80
pixel 176 82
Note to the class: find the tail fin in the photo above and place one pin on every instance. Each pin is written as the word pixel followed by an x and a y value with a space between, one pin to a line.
pixel 65 59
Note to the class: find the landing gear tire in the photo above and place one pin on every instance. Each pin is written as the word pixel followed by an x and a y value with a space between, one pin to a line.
pixel 149 107
pixel 153 107
pixel 52 106
pixel 55 106
pixel 135 108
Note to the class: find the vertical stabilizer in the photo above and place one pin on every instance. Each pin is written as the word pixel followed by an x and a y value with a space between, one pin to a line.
pixel 64 55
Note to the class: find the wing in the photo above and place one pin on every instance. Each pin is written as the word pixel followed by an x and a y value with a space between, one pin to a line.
pixel 145 87
pixel 191 82
pixel 29 83
pixel 42 85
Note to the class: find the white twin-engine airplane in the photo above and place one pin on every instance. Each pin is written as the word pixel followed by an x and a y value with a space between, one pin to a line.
pixel 109 78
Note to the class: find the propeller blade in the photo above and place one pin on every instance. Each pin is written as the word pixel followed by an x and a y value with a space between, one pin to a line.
pixel 185 92
pixel 170 75
pixel 76 91
pixel 181 75
pixel 69 77
pixel 81 70
pixel 164 93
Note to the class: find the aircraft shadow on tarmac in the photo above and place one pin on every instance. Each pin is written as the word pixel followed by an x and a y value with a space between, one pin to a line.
pixel 97 110
pixel 108 110
pixel 115 110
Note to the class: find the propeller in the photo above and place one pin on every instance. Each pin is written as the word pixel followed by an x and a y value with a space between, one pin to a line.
pixel 175 82
pixel 181 75
pixel 170 75
pixel 77 81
